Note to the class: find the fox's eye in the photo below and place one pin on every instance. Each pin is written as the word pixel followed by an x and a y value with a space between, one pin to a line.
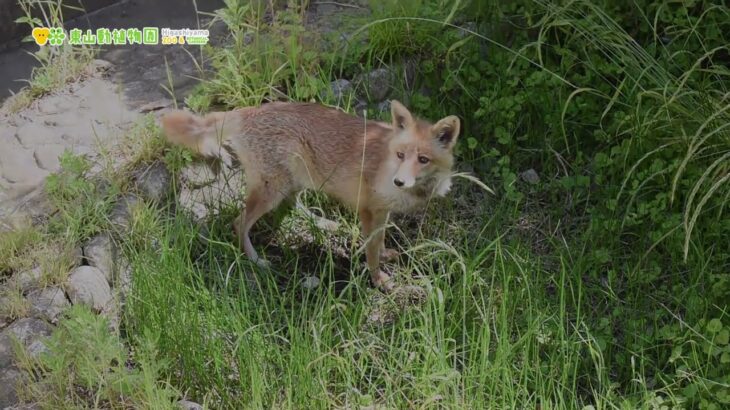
pixel 401 155
pixel 423 160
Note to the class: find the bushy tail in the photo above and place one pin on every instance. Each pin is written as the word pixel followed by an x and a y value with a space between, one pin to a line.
pixel 204 135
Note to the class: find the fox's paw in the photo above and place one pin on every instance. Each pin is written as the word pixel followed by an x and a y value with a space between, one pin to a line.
pixel 383 281
pixel 260 262
pixel 389 254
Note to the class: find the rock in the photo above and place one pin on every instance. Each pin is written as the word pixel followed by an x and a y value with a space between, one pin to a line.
pixel 125 278
pixel 248 37
pixel 410 68
pixel 359 107
pixel 36 348
pixel 209 199
pixel 154 182
pixel 27 279
pixel 310 282
pixel 47 303
pixel 9 380
pixel 98 66
pixel 189 405
pixel 530 176
pixel 99 253
pixel 197 175
pixel 27 331
pixel 383 106
pixel 121 214
pixel 5 314
pixel 155 105
pixel 77 256
pixel 87 285
pixel 376 85
pixel 31 406
pixel 340 89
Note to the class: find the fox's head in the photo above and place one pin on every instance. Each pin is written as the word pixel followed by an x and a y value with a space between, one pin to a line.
pixel 421 150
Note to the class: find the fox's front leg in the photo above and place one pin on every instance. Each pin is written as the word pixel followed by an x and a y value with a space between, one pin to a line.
pixel 387 254
pixel 373 223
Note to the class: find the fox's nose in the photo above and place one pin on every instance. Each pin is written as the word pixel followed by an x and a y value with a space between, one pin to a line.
pixel 398 182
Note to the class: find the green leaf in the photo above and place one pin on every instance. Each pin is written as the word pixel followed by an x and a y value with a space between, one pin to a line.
pixel 723 337
pixel 725 358
pixel 714 326
pixel 503 137
pixel 472 143
pixel 690 391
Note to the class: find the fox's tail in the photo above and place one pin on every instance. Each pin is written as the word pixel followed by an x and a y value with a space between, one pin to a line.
pixel 206 135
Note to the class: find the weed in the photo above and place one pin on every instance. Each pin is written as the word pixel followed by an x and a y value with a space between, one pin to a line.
pixel 58 65
pixel 85 366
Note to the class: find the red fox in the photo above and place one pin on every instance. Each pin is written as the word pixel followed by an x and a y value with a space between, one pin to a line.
pixel 372 167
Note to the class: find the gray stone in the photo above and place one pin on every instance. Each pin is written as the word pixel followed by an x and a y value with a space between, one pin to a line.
pixel 113 312
pixel 189 405
pixel 383 107
pixel 27 331
pixel 9 380
pixel 376 85
pixel 48 303
pixel 99 253
pixel 530 176
pixel 154 182
pixel 248 37
pixel 5 315
pixel 360 106
pixel 27 279
pixel 197 175
pixel 121 213
pixel 24 406
pixel 340 89
pixel 410 68
pixel 87 285
pixel 36 348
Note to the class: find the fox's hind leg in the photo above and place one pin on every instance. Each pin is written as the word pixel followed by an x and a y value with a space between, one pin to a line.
pixel 261 199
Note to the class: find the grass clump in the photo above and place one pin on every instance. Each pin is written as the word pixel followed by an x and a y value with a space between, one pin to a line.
pixel 86 366
pixel 57 65
pixel 83 204
pixel 14 245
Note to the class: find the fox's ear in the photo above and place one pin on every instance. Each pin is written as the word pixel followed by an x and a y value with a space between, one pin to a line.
pixel 402 118
pixel 446 131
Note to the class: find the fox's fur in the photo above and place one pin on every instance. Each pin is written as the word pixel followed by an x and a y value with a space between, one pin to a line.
pixel 373 167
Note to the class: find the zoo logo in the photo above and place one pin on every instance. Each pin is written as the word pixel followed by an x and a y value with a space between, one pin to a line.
pixel 55 36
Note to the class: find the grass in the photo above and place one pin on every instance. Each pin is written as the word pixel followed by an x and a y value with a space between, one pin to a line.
pixel 85 366
pixel 494 327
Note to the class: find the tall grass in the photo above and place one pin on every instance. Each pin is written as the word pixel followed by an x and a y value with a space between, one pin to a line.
pixel 495 329
pixel 694 115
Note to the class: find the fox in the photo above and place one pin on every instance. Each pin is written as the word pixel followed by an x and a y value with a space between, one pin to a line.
pixel 373 167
